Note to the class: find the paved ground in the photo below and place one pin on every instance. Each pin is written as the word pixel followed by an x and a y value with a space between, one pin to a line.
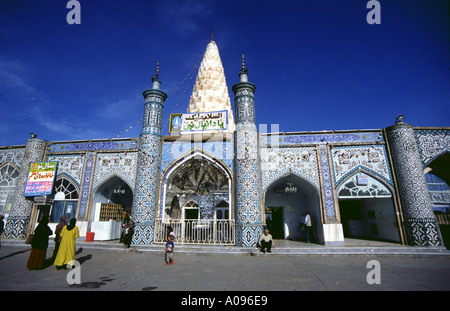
pixel 102 270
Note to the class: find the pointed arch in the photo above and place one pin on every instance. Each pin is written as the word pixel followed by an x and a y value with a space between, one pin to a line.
pixel 114 190
pixel 439 166
pixel 107 178
pixel 68 185
pixel 361 169
pixel 67 192
pixel 305 182
pixel 70 177
pixel 284 210
pixel 9 174
pixel 368 208
pixel 191 155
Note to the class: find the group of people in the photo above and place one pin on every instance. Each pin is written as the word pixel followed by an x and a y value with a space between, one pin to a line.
pixel 66 234
pixel 266 240
pixel 64 252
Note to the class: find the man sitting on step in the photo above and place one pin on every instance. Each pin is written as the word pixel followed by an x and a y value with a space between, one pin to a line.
pixel 266 242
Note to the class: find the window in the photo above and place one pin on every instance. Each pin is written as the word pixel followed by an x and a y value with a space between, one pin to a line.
pixel 8 178
pixel 222 210
pixel 66 200
pixel 191 210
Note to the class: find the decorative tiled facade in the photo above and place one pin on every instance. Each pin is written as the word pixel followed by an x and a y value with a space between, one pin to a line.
pixel 373 158
pixel 328 197
pixel 432 143
pixel 252 162
pixel 121 164
pixel 70 165
pixel 279 162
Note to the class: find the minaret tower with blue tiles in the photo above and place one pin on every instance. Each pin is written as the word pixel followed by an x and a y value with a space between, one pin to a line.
pixel 247 170
pixel 421 226
pixel 19 218
pixel 148 165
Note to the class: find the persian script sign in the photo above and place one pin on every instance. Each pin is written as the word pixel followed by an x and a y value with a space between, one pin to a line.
pixel 203 121
pixel 40 179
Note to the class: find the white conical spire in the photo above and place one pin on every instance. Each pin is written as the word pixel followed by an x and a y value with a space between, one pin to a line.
pixel 210 91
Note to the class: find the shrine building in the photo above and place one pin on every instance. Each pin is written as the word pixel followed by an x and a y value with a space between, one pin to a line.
pixel 217 180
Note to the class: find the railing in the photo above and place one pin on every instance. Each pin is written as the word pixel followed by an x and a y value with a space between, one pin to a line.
pixel 443 219
pixel 196 231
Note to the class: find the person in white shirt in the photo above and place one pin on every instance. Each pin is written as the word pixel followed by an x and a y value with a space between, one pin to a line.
pixel 308 225
pixel 266 242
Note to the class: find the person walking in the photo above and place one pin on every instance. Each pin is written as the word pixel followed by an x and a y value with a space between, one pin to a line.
pixel 39 245
pixel 308 225
pixel 66 250
pixel 128 236
pixel 2 228
pixel 126 219
pixel 58 229
pixel 168 256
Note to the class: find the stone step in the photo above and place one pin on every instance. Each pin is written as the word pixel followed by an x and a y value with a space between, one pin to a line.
pixel 310 249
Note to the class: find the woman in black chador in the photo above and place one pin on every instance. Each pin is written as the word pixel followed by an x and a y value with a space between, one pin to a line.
pixel 39 245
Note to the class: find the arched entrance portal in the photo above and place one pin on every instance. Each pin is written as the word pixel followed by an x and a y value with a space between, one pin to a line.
pixel 366 208
pixel 195 201
pixel 114 191
pixel 437 176
pixel 286 202
pixel 110 201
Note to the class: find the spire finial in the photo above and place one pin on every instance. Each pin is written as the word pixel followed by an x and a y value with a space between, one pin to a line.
pixel 244 72
pixel 212 34
pixel 155 80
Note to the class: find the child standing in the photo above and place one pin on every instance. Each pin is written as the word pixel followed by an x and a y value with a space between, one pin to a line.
pixel 168 256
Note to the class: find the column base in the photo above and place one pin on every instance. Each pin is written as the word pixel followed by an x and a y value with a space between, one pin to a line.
pixel 16 228
pixel 143 233
pixel 333 235
pixel 423 232
pixel 247 235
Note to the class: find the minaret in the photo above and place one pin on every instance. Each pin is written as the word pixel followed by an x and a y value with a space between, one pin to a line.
pixel 21 209
pixel 210 92
pixel 148 164
pixel 247 170
pixel 421 227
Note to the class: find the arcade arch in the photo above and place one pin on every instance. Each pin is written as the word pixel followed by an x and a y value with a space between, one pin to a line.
pixel 440 166
pixel 284 208
pixel 66 199
pixel 197 178
pixel 366 208
pixel 112 191
pixel 196 201
pixel 8 179
pixel 437 176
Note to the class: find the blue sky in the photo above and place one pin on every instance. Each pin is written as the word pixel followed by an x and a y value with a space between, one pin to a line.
pixel 317 65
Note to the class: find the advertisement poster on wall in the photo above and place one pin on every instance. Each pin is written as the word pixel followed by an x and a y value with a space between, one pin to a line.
pixel 41 177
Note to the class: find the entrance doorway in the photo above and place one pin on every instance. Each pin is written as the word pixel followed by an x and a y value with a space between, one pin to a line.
pixel 367 209
pixel 114 191
pixel 195 202
pixel 274 221
pixel 287 200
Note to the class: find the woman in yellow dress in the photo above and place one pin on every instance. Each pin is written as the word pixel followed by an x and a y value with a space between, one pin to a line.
pixel 66 250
